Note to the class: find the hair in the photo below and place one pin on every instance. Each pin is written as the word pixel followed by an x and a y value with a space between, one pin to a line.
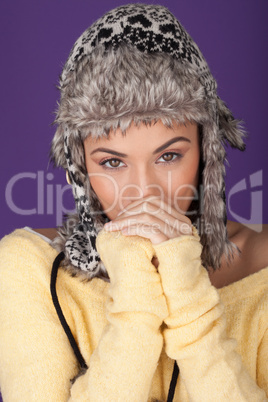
pixel 113 88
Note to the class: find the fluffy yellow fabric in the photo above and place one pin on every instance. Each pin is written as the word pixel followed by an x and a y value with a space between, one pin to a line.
pixel 120 327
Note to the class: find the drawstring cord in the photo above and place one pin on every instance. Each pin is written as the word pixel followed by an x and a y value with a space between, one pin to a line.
pixel 56 303
pixel 83 365
pixel 173 382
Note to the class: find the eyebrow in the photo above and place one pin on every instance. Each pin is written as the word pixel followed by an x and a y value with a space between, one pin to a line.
pixel 109 151
pixel 168 143
pixel 159 149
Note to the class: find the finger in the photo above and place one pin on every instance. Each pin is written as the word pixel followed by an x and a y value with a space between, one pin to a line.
pixel 155 237
pixel 153 205
pixel 127 221
pixel 170 223
pixel 151 215
pixel 138 205
pixel 167 207
pixel 170 227
pixel 156 234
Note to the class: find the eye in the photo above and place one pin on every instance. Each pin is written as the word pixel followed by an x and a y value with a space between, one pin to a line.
pixel 112 163
pixel 169 157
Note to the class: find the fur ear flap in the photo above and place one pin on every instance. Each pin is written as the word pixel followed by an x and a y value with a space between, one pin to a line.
pixel 57 155
pixel 231 130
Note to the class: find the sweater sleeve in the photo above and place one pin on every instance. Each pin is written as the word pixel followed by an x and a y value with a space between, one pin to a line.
pixel 122 366
pixel 262 363
pixel 195 335
pixel 36 360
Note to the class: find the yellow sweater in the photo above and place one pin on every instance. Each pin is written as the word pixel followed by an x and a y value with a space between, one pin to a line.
pixel 130 330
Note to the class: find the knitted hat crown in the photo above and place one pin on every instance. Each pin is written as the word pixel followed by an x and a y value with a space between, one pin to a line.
pixel 138 64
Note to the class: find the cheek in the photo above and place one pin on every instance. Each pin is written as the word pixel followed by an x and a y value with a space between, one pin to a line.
pixel 106 190
pixel 185 187
pixel 104 186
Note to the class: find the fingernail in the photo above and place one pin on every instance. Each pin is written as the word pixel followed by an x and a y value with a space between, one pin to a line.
pixel 111 227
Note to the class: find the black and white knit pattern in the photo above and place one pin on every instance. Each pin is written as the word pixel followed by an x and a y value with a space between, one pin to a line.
pixel 147 27
pixel 81 246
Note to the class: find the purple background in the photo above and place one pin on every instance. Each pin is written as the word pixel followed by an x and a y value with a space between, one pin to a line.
pixel 36 37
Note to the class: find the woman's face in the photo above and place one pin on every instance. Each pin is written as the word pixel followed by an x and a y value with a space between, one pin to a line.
pixel 148 160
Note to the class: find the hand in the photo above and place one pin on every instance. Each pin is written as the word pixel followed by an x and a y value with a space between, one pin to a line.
pixel 151 218
pixel 131 272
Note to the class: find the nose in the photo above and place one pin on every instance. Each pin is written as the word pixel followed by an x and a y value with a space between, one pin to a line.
pixel 142 183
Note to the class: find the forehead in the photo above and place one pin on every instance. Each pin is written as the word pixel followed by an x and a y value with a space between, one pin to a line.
pixel 145 135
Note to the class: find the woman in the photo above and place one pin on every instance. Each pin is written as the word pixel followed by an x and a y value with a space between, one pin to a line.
pixel 140 133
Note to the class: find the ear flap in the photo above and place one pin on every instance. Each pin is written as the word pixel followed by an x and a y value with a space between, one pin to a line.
pixel 231 130
pixel 57 155
pixel 220 130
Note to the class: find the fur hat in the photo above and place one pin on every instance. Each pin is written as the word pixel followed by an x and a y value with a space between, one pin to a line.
pixel 138 64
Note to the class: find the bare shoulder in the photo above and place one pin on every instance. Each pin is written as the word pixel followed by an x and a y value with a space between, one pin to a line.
pixel 51 233
pixel 257 237
pixel 253 242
